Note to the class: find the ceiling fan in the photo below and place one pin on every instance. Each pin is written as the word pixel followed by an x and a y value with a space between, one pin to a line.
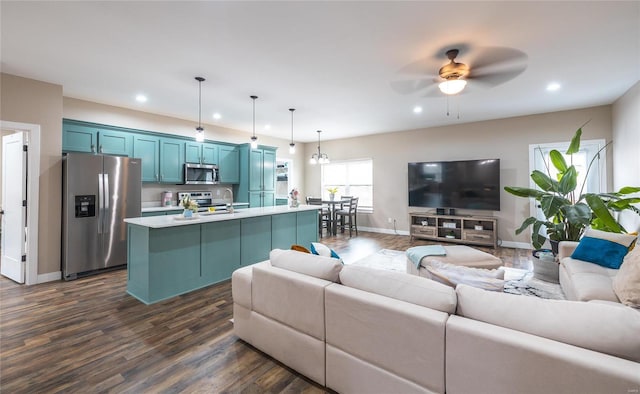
pixel 488 67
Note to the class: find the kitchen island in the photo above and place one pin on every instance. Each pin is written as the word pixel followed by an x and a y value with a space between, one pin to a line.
pixel 170 255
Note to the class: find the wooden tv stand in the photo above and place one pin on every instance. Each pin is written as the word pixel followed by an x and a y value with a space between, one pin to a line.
pixel 471 230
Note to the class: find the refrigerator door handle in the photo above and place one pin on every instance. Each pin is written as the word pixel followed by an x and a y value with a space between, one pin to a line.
pixel 107 198
pixel 100 202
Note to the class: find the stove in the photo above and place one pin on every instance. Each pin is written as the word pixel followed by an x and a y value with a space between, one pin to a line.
pixel 204 199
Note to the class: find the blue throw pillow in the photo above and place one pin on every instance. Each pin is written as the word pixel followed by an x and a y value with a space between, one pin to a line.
pixel 323 250
pixel 603 248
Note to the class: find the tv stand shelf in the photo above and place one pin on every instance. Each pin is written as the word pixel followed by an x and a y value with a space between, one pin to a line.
pixel 471 230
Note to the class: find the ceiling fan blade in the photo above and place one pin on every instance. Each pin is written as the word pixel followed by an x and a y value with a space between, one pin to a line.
pixel 496 78
pixel 497 57
pixel 433 91
pixel 410 86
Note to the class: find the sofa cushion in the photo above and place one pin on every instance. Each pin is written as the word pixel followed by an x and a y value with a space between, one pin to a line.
pixel 589 281
pixel 400 286
pixel 452 275
pixel 309 264
pixel 603 248
pixel 626 284
pixel 611 329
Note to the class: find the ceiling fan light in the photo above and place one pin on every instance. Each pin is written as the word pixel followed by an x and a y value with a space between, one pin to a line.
pixel 452 86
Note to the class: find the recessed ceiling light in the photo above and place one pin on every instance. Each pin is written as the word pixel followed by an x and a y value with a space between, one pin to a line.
pixel 417 109
pixel 553 86
pixel 217 116
pixel 267 127
pixel 141 98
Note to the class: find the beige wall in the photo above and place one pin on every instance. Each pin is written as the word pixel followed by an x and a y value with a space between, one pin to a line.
pixel 626 145
pixel 506 139
pixel 28 101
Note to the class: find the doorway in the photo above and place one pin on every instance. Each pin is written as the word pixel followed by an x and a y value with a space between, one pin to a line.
pixel 31 134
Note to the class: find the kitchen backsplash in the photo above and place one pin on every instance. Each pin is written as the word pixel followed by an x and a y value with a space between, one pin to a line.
pixel 152 194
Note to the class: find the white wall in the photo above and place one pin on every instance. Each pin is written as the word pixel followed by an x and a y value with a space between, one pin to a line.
pixel 626 147
pixel 506 139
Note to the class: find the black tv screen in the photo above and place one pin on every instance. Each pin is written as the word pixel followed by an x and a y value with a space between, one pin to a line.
pixel 468 184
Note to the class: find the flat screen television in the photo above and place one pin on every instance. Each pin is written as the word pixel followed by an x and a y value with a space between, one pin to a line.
pixel 467 184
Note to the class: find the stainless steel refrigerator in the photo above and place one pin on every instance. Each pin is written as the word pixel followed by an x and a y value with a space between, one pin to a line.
pixel 98 192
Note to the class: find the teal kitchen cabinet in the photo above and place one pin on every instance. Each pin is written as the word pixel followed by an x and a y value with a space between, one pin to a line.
pixel 255 234
pixel 306 227
pixel 229 164
pixel 257 176
pixel 283 230
pixel 202 153
pixel 89 138
pixel 162 158
pixel 171 160
pixel 79 138
pixel 220 250
pixel 113 142
pixel 147 148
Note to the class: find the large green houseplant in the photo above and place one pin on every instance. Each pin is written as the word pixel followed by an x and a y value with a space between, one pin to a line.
pixel 568 213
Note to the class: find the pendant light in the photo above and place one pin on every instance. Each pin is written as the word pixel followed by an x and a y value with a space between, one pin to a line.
pixel 199 129
pixel 254 139
pixel 292 145
pixel 319 157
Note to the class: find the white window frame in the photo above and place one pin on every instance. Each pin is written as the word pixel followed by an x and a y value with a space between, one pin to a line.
pixel 591 147
pixel 325 193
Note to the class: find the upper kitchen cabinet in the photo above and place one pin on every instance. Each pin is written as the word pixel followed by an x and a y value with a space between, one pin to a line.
pixel 202 153
pixel 78 137
pixel 257 176
pixel 171 160
pixel 162 158
pixel 147 148
pixel 229 164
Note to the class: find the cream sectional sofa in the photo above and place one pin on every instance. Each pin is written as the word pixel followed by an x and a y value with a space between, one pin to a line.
pixel 360 330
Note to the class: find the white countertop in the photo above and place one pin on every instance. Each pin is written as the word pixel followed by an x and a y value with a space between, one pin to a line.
pixel 177 207
pixel 204 217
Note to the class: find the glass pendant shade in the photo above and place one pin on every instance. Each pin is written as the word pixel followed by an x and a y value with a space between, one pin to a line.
pixel 452 86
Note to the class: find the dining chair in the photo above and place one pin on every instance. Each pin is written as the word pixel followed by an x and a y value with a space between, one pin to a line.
pixel 347 216
pixel 324 216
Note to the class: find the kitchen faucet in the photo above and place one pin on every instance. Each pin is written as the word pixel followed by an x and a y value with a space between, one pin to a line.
pixel 229 205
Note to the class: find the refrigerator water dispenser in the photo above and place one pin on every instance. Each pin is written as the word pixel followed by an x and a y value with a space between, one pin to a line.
pixel 85 206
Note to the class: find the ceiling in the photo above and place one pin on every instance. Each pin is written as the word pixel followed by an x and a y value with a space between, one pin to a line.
pixel 338 63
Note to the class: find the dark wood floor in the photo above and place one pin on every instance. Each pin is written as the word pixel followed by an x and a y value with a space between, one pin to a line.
pixel 88 335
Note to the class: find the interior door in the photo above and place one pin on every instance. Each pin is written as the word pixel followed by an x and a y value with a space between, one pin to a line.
pixel 14 214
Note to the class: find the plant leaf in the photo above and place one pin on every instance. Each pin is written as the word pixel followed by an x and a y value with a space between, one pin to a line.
pixel 527 222
pixel 543 181
pixel 537 239
pixel 568 182
pixel 629 190
pixel 622 204
pixel 558 161
pixel 524 192
pixel 574 146
pixel 551 204
pixel 601 211
pixel 579 214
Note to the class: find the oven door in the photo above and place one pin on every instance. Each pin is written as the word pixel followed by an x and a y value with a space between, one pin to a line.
pixel 199 174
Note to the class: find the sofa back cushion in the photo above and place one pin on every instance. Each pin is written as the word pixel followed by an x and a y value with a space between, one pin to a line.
pixel 401 286
pixel 321 267
pixel 602 327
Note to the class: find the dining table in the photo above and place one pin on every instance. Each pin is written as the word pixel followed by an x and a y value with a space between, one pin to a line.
pixel 334 205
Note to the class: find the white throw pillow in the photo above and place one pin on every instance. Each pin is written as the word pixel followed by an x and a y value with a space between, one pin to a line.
pixel 626 283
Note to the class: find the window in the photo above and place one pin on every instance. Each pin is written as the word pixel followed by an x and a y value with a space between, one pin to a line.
pixel 352 178
pixel 597 181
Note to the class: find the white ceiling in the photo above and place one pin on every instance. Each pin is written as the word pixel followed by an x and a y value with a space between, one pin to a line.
pixel 338 63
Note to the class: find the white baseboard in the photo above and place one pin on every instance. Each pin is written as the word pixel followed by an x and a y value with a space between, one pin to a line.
pixel 383 230
pixel 49 277
pixel 516 245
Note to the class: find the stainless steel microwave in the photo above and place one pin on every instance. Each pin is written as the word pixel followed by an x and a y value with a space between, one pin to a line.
pixel 201 174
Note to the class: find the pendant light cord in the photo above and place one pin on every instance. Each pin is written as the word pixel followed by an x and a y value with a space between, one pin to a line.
pixel 292 109
pixel 254 114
